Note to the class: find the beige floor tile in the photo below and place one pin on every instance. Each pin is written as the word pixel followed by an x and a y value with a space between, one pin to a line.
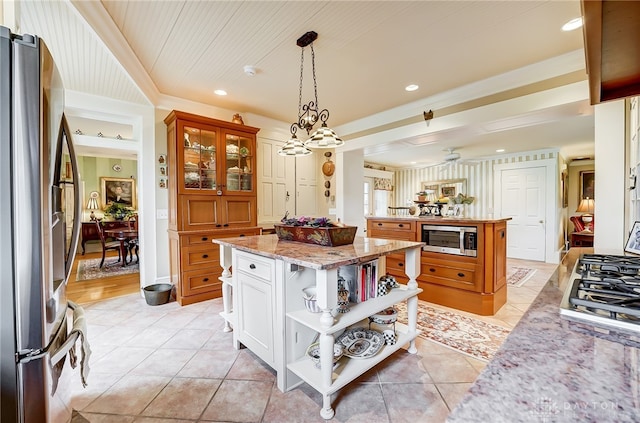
pixel 453 392
pixel 191 339
pixel 104 418
pixel 449 368
pixel 183 398
pixel 412 403
pixel 239 401
pixel 152 337
pixel 97 384
pixel 164 362
pixel 116 335
pixel 359 403
pixel 129 396
pixel 291 407
pixel 176 319
pixel 249 367
pixel 160 420
pixel 219 340
pixel 479 365
pixel 403 367
pixel 121 360
pixel 214 364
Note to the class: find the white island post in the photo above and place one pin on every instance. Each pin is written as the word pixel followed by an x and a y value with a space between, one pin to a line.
pixel 263 303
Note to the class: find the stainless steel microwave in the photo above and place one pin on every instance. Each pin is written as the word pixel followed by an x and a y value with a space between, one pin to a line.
pixel 459 240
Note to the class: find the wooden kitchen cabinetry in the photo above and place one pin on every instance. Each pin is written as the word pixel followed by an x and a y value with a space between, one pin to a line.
pixel 211 168
pixel 474 284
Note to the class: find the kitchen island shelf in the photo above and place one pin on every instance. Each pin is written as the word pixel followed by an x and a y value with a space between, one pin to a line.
pixel 349 369
pixel 356 311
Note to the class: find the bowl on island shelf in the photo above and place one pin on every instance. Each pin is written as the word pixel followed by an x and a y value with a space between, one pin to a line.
pixel 318 231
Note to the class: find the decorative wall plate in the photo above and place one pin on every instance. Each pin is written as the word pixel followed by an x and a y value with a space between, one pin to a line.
pixel 361 342
pixel 117 167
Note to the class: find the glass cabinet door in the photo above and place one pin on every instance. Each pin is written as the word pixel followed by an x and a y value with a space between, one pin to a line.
pixel 239 163
pixel 199 158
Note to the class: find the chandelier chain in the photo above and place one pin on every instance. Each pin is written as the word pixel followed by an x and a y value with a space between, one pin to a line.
pixel 301 75
pixel 313 68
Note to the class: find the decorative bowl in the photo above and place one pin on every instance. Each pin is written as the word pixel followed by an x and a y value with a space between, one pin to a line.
pixel 329 237
pixel 313 352
pixel 310 301
pixel 385 317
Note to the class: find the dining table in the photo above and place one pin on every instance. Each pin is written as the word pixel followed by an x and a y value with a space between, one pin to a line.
pixel 123 235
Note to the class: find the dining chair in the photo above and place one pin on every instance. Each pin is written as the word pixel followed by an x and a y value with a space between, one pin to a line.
pixel 133 242
pixel 106 246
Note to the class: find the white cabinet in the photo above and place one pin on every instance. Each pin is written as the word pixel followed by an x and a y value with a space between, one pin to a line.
pixel 254 278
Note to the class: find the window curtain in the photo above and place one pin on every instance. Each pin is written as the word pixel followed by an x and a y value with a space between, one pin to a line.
pixel 382 184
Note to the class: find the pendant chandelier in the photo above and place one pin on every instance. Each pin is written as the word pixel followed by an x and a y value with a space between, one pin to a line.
pixel 310 114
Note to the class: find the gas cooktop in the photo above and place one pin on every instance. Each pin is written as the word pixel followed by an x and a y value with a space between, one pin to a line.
pixel 605 290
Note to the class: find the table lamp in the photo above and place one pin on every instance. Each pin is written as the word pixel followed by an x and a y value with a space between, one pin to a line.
pixel 93 205
pixel 586 207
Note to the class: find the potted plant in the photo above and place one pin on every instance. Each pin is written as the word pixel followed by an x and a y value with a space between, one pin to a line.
pixel 458 203
pixel 118 211
pixel 422 195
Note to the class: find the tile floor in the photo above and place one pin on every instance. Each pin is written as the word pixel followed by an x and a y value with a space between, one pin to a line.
pixel 174 364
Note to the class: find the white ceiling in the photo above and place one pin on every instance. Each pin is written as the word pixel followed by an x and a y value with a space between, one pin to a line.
pixel 366 53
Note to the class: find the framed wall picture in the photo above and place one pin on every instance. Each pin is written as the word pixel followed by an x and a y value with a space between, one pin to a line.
pixel 118 190
pixel 633 243
pixel 587 185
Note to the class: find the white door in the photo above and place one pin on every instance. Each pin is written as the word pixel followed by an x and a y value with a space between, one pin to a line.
pixel 276 182
pixel 523 199
pixel 306 186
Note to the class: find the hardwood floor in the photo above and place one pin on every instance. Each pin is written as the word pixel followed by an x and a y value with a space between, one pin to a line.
pixel 89 291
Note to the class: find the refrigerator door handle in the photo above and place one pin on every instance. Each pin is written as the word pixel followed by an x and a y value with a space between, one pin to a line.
pixel 32 354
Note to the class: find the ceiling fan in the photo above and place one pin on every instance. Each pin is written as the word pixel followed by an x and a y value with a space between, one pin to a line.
pixel 451 158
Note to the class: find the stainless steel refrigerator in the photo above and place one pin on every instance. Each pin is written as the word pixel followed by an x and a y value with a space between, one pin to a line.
pixel 39 227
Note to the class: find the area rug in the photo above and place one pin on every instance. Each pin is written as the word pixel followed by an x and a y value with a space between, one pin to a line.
pixel 90 269
pixel 517 276
pixel 473 337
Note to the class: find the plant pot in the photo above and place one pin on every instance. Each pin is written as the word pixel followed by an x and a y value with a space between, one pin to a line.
pixel 422 197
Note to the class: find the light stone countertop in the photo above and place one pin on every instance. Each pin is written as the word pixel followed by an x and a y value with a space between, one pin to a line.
pixel 551 369
pixel 316 256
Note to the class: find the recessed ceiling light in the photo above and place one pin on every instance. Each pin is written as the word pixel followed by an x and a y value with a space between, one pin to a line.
pixel 500 150
pixel 411 87
pixel 572 24
pixel 220 92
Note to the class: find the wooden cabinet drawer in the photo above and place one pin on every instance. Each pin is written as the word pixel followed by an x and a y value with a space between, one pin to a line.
pixel 255 266
pixel 200 281
pixel 395 263
pixel 458 277
pixel 395 225
pixel 201 257
pixel 404 230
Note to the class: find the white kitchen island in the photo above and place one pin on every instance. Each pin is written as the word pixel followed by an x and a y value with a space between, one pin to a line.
pixel 264 305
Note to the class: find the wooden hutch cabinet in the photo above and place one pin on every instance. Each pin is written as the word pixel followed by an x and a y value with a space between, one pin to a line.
pixel 211 168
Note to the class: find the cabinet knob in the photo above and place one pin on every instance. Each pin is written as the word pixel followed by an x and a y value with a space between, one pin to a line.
pixel 205 280
pixel 432 270
pixel 252 266
pixel 218 225
pixel 461 275
pixel 205 256
pixel 225 225
pixel 241 235
pixel 204 238
pixel 400 264
pixel 400 225
pixel 379 224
